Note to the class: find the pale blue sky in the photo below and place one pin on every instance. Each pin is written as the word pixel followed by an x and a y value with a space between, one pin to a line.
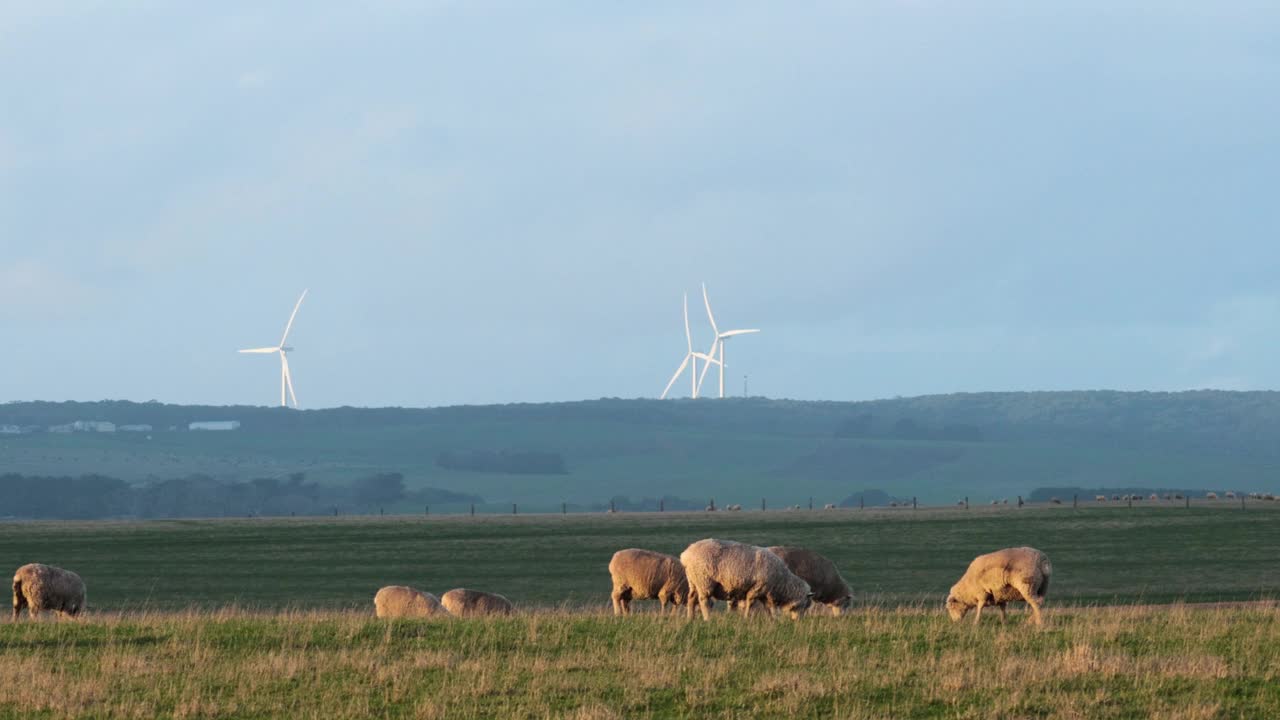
pixel 504 202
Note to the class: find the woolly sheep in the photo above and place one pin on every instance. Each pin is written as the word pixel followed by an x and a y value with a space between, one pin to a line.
pixel 1099 498
pixel 1055 501
pixel 1154 497
pixel 463 603
pixel 45 587
pixel 1115 497
pixel 829 506
pixel 996 578
pixel 1231 495
pixel 824 579
pixel 1211 496
pixel 727 570
pixel 400 601
pixel 643 574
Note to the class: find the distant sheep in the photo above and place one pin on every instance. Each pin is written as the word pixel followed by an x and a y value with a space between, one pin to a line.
pixel 1115 497
pixel 643 574
pixel 471 603
pixel 1055 501
pixel 795 507
pixel 1012 574
pixel 1231 495
pixel 401 601
pixel 727 570
pixel 45 587
pixel 829 506
pixel 1154 497
pixel 1099 498
pixel 824 579
pixel 1177 496
pixel 734 508
pixel 1211 496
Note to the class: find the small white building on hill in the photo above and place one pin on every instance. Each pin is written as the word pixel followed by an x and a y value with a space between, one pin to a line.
pixel 214 425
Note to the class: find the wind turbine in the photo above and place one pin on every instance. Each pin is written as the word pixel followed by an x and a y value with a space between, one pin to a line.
pixel 690 354
pixel 286 380
pixel 718 343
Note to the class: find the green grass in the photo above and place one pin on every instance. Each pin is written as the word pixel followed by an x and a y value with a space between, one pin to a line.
pixel 1099 554
pixel 1177 662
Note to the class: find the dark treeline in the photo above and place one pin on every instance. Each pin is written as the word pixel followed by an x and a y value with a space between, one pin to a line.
pixel 511 462
pixel 98 496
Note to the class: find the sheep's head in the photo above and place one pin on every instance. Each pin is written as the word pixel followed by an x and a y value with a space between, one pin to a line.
pixel 841 606
pixel 956 608
pixel 797 608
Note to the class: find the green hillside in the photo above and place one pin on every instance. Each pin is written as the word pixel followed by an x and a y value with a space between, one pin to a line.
pixel 937 448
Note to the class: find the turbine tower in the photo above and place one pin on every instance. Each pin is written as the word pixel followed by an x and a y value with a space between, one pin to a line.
pixel 286 380
pixel 718 343
pixel 690 354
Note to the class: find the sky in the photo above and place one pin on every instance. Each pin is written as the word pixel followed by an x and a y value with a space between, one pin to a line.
pixel 506 202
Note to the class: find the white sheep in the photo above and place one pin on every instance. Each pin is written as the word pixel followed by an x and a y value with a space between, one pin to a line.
pixel 1012 574
pixel 398 601
pixel 463 603
pixel 643 574
pixel 728 570
pixel 40 587
pixel 1099 498
pixel 829 506
pixel 822 575
pixel 1211 496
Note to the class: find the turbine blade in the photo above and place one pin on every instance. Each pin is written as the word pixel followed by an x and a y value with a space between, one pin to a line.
pixel 731 333
pixel 707 366
pixel 292 315
pixel 261 350
pixel 288 378
pixel 671 382
pixel 705 301
pixel 687 337
pixel 706 358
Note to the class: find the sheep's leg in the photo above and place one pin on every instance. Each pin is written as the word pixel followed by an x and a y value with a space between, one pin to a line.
pixel 617 601
pixel 978 615
pixel 746 605
pixel 1031 600
pixel 1003 615
pixel 703 600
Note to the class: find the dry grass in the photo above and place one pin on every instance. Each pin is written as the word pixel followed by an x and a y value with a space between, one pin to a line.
pixel 1167 662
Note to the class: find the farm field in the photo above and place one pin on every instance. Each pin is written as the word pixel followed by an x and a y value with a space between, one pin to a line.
pixel 1116 662
pixel 1110 554
pixel 273 618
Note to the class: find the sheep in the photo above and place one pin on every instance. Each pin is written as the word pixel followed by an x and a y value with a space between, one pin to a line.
pixel 824 579
pixel 1099 498
pixel 45 587
pixel 398 601
pixel 1115 497
pixel 829 506
pixel 734 508
pixel 1211 496
pixel 463 603
pixel 643 574
pixel 996 578
pixel 1231 495
pixel 1055 501
pixel 795 507
pixel 1154 497
pixel 711 508
pixel 727 570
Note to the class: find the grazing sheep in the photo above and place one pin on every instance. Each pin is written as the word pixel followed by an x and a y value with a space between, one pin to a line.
pixel 824 579
pixel 469 603
pixel 829 506
pixel 1231 495
pixel 1115 497
pixel 400 601
pixel 1177 496
pixel 644 574
pixel 1055 501
pixel 1169 496
pixel 1211 496
pixel 996 578
pixel 1099 498
pixel 735 508
pixel 45 587
pixel 727 570
pixel 795 507
pixel 1154 497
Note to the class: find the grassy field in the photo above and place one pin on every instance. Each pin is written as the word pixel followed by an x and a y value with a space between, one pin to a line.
pixel 1169 662
pixel 272 618
pixel 1100 554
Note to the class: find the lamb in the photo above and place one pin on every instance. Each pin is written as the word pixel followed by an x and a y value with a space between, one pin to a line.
pixel 643 574
pixel 996 578
pixel 45 587
pixel 401 601
pixel 468 603
pixel 821 574
pixel 727 570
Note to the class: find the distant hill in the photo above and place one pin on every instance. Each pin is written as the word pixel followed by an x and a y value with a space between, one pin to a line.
pixel 937 448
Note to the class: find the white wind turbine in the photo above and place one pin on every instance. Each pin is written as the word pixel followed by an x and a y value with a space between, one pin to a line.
pixel 690 354
pixel 286 380
pixel 718 343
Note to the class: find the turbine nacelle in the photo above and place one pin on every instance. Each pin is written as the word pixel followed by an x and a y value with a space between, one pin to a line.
pixel 286 378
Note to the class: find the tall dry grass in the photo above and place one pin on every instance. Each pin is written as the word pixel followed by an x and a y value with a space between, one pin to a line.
pixel 1161 662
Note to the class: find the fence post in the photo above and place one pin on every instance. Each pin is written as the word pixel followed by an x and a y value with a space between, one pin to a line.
pixel 662 505
pixel 1242 502
pixel 811 502
pixel 382 511
pixel 1075 502
pixel 428 510
pixel 712 504
pixel 1019 501
pixel 335 511
pixel 1187 497
pixel 564 508
pixel 763 505
pixel 612 507
pixel 473 509
pixel 513 508
pixel 913 502
pixel 1129 497
pixel 966 502
pixel 862 503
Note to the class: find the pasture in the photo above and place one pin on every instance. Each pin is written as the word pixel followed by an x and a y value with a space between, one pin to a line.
pixel 273 618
